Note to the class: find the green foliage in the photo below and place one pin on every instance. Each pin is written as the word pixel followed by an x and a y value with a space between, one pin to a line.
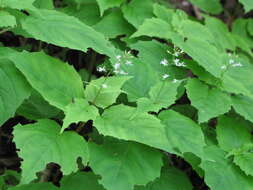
pixel 106 4
pixel 77 111
pixel 184 134
pixel 171 178
pixel 124 159
pixel 57 94
pixel 14 90
pixel 248 5
pixel 7 20
pixel 71 33
pixel 212 6
pixel 103 92
pixel 126 95
pixel 61 149
pixel 216 165
pixel 209 102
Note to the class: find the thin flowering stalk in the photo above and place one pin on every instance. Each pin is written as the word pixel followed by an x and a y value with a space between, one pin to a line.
pixel 101 87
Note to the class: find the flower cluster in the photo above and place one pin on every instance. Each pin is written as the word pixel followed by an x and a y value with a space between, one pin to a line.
pixel 232 62
pixel 117 67
pixel 177 52
pixel 120 61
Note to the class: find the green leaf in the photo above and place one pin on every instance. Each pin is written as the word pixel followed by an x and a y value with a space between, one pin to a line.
pixel 44 4
pixel 210 6
pixel 210 102
pixel 123 122
pixel 106 4
pixel 163 12
pixel 35 107
pixel 250 27
pixel 184 134
pixel 135 15
pixel 243 106
pixel 243 158
pixel 77 111
pixel 138 86
pixel 212 60
pixel 237 79
pixel 221 33
pixel 88 13
pixel 80 181
pixel 220 172
pixel 241 27
pixel 126 163
pixel 171 179
pixel 7 20
pixel 35 186
pixel 232 133
pixel 17 4
pixel 146 54
pixel 202 74
pixel 14 89
pixel 162 95
pixel 103 91
pixel 41 143
pixel 113 25
pixel 71 33
pixel 248 4
pixel 44 73
pixel 154 27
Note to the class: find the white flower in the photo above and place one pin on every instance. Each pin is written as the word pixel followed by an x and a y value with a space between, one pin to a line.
pixel 231 61
pixel 237 65
pixel 116 66
pixel 104 86
pixel 165 76
pixel 123 72
pixel 164 62
pixel 175 81
pixel 118 57
pixel 116 71
pixel 101 69
pixel 223 67
pixel 178 63
pixel 176 54
pixel 129 63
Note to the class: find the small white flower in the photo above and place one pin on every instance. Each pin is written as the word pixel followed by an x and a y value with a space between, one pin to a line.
pixel 176 61
pixel 116 66
pixel 123 72
pixel 129 63
pixel 165 76
pixel 237 65
pixel 118 57
pixel 104 86
pixel 175 81
pixel 229 54
pixel 116 71
pixel 223 67
pixel 231 61
pixel 164 62
pixel 176 54
pixel 101 69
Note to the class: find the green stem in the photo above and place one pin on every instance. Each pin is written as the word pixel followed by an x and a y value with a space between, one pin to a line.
pixel 100 88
